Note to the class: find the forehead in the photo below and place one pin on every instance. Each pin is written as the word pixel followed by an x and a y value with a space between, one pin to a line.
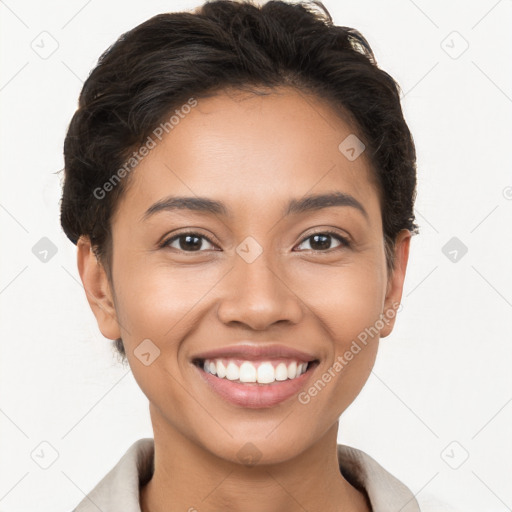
pixel 252 151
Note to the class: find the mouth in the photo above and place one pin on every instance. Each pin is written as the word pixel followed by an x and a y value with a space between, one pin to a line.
pixel 255 384
pixel 263 372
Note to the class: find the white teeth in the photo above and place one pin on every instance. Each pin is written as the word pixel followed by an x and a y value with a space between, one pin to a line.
pixel 292 370
pixel 221 370
pixel 247 372
pixel 232 371
pixel 264 373
pixel 281 372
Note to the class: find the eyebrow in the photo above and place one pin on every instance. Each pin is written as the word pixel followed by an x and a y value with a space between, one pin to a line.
pixel 295 206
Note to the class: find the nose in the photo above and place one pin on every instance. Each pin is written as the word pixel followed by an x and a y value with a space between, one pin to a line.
pixel 258 296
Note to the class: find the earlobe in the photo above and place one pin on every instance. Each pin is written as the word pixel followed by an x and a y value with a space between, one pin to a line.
pixel 396 281
pixel 97 289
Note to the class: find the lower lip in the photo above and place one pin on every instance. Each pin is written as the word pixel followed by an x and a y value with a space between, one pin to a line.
pixel 254 395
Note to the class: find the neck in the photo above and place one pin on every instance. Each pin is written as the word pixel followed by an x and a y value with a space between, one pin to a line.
pixel 189 478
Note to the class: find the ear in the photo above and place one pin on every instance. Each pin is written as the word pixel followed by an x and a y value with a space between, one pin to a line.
pixel 396 282
pixel 97 289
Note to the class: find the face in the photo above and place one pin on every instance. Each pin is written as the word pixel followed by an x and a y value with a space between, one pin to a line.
pixel 261 265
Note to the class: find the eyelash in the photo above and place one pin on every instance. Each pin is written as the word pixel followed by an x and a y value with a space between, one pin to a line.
pixel 345 243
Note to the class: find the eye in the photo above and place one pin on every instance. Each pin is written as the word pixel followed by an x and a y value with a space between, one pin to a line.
pixel 187 242
pixel 193 242
pixel 321 241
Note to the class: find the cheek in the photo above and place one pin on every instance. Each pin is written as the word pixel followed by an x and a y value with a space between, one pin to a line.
pixel 153 303
pixel 352 308
pixel 345 300
pixel 156 302
pixel 348 310
pixel 341 377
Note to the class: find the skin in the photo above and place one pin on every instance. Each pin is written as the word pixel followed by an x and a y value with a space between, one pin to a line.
pixel 253 153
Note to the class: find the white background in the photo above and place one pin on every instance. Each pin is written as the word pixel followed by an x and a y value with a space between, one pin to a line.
pixel 443 376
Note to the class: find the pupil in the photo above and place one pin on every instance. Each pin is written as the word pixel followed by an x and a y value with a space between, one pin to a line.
pixel 195 246
pixel 325 245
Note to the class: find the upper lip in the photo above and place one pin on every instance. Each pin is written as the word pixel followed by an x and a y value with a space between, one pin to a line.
pixel 255 352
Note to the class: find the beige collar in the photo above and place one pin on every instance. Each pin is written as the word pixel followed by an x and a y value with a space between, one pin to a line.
pixel 118 491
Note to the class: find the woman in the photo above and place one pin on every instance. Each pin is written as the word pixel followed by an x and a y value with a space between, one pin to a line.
pixel 240 184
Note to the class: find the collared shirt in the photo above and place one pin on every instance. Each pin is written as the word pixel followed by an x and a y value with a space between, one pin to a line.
pixel 119 490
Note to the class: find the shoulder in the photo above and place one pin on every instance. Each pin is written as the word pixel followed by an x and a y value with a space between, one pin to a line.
pixel 385 492
pixel 118 490
pixel 429 503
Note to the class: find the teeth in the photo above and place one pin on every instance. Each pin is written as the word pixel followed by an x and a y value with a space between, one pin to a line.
pixel 247 372
pixel 264 373
pixel 281 372
pixel 232 371
pixel 292 370
pixel 221 369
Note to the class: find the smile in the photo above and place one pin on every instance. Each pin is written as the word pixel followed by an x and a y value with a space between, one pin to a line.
pixel 255 384
pixel 262 372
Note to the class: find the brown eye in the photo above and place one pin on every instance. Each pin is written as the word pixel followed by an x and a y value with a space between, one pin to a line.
pixel 322 241
pixel 187 242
